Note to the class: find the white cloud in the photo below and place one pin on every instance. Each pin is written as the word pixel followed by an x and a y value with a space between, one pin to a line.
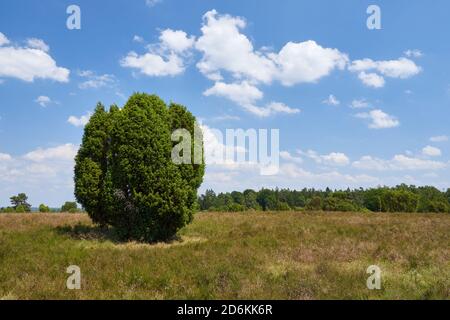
pixel 359 104
pixel 3 39
pixel 439 139
pixel 5 157
pixel 95 81
pixel 371 79
pixel 154 65
pixel 246 95
pixel 138 39
pixel 44 174
pixel 224 47
pixel 285 155
pixel 216 148
pixel 177 41
pixel 432 151
pixel 225 117
pixel 242 93
pixel 332 159
pixel 165 58
pixel 38 44
pixel 30 63
pixel 402 68
pixel 307 62
pixel 379 119
pixel 81 121
pixel 43 101
pixel 152 3
pixel 291 171
pixel 331 101
pixel 398 162
pixel 415 53
pixel 279 107
pixel 270 109
pixel 62 152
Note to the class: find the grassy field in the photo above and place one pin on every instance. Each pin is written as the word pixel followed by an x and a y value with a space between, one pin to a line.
pixel 230 256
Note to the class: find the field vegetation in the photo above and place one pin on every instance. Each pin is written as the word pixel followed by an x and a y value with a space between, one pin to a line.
pixel 249 255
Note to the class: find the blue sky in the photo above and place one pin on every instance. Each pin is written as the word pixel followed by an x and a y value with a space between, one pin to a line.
pixel 355 107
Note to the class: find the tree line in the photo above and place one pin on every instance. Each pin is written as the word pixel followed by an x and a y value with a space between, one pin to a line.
pixel 19 204
pixel 402 198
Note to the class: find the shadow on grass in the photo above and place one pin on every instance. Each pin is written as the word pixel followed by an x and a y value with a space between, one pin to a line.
pixel 96 233
pixel 88 232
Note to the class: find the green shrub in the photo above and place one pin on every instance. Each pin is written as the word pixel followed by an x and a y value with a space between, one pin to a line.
pixel 69 207
pixel 339 204
pixel 124 173
pixel 283 206
pixel 43 208
pixel 314 204
pixel 21 209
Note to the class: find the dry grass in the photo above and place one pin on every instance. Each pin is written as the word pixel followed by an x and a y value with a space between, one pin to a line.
pixel 230 256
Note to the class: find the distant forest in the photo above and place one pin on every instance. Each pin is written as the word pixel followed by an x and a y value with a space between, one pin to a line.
pixel 402 198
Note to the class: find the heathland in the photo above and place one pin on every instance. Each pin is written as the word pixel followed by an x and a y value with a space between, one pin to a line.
pixel 249 255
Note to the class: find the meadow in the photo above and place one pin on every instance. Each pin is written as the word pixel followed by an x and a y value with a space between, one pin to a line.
pixel 249 255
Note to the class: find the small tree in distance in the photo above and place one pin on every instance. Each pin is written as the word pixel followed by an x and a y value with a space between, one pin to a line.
pixel 69 207
pixel 43 208
pixel 20 204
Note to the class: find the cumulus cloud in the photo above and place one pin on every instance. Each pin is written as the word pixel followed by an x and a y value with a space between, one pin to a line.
pixel 414 53
pixel 332 159
pixel 431 151
pixel 331 101
pixel 379 119
pixel 38 44
pixel 371 79
pixel 43 173
pixel 242 93
pixel 43 101
pixel 154 65
pixel 398 162
pixel 5 157
pixel 225 48
pixel 402 68
pixel 287 156
pixel 165 58
pixel 79 121
pixel 270 109
pixel 369 70
pixel 95 81
pixel 359 104
pixel 30 62
pixel 246 95
pixel 62 152
pixel 230 59
pixel 176 40
pixel 307 62
pixel 138 39
pixel 3 39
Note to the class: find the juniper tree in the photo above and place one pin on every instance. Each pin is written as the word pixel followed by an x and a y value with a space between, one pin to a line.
pixel 124 173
